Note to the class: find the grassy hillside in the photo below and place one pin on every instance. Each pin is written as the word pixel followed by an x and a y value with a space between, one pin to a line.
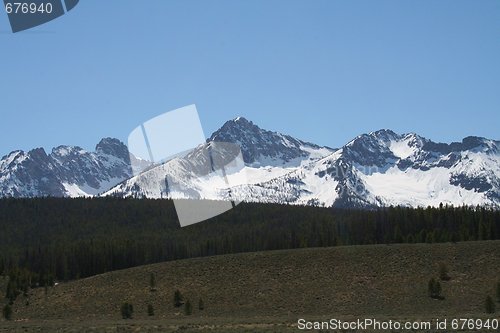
pixel 269 291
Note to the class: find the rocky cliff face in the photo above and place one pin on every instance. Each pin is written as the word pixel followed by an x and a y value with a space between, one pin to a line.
pixel 66 171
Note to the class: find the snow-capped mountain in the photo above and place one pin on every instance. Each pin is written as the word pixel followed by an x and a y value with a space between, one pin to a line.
pixel 383 168
pixel 66 171
pixel 265 155
pixel 265 148
pixel 377 169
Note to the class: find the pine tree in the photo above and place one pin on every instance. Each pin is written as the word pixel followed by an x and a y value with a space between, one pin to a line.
pixel 12 292
pixel 434 289
pixel 188 310
pixel 151 310
pixel 443 272
pixel 127 310
pixel 178 299
pixel 429 238
pixel 490 305
pixel 152 282
pixel 130 310
pixel 201 305
pixel 124 310
pixel 7 312
pixel 430 287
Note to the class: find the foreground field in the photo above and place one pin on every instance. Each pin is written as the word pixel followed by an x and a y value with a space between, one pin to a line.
pixel 270 291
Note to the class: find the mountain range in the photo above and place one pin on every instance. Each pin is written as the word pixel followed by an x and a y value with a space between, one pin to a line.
pixel 380 168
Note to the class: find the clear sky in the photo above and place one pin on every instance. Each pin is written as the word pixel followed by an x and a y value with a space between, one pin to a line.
pixel 323 71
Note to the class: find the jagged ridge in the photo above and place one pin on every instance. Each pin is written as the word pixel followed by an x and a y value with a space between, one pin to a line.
pixel 376 169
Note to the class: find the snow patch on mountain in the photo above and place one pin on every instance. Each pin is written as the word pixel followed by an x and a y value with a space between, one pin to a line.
pixel 414 187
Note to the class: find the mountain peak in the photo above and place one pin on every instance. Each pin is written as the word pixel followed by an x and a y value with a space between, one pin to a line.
pixel 385 135
pixel 232 130
pixel 108 141
pixel 468 143
pixel 471 142
pixel 384 131
pixel 11 158
pixel 64 150
pixel 259 145
pixel 242 120
pixel 114 147
pixel 38 153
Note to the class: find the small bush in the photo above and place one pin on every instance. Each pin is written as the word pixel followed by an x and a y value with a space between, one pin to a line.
pixel 178 299
pixel 188 310
pixel 12 291
pixel 201 305
pixel 151 310
pixel 490 305
pixel 7 312
pixel 434 289
pixel 152 282
pixel 127 310
pixel 443 272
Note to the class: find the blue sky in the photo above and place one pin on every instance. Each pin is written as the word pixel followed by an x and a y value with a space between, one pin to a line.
pixel 323 71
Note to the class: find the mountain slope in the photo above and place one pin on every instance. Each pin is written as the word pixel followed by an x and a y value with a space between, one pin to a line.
pixel 66 171
pixel 357 281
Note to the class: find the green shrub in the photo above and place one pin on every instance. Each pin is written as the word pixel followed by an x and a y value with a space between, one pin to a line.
pixel 434 289
pixel 127 310
pixel 152 282
pixel 7 312
pixel 188 310
pixel 151 310
pixel 443 272
pixel 490 305
pixel 178 299
pixel 201 305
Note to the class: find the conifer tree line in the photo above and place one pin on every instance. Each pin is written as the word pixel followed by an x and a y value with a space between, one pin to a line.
pixel 43 240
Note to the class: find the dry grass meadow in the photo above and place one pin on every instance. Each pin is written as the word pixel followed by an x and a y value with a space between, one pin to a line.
pixel 270 291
